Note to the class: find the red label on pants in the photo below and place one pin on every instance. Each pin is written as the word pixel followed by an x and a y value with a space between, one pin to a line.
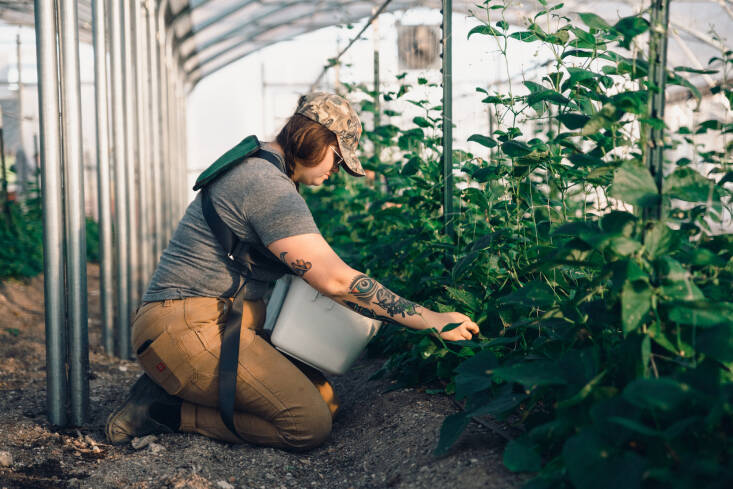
pixel 160 366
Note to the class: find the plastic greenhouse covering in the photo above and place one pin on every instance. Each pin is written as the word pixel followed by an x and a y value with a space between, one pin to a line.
pixel 212 34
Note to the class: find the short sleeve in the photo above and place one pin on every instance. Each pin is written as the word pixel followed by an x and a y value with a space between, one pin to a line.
pixel 270 203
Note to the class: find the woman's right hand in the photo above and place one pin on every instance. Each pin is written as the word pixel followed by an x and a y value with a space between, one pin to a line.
pixel 465 331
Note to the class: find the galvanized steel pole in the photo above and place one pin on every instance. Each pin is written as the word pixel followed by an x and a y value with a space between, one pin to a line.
pixel 447 71
pixel 121 196
pixel 139 53
pixel 76 259
pixel 182 177
pixel 169 157
pixel 106 286
pixel 176 175
pixel 132 163
pixel 155 157
pixel 53 221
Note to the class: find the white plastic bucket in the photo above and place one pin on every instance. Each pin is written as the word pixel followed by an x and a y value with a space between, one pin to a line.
pixel 315 329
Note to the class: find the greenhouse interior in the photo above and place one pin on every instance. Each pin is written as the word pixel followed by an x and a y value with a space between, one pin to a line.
pixel 557 174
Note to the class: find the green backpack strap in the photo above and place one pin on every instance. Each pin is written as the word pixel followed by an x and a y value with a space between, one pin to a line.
pixel 246 147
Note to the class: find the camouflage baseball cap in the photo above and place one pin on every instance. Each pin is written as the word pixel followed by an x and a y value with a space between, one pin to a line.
pixel 336 114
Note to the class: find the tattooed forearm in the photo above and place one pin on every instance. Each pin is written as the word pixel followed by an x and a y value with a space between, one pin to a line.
pixel 299 266
pixel 369 291
pixel 363 288
pixel 394 304
pixel 365 311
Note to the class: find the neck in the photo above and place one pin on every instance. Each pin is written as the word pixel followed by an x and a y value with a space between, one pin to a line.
pixel 275 146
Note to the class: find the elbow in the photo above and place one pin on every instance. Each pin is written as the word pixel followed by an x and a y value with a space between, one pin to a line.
pixel 337 284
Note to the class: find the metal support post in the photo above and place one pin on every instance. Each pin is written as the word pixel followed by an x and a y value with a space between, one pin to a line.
pixel 184 146
pixel 176 147
pixel 53 240
pixel 657 80
pixel 131 156
pixel 106 287
pixel 447 71
pixel 139 53
pixel 121 195
pixel 377 107
pixel 154 115
pixel 168 162
pixel 21 167
pixel 183 170
pixel 76 260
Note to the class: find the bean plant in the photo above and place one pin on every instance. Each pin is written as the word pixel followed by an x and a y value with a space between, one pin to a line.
pixel 606 345
pixel 21 236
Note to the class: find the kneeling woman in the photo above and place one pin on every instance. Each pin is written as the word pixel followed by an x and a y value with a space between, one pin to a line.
pixel 278 402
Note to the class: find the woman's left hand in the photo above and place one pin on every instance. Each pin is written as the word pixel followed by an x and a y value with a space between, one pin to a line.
pixel 465 331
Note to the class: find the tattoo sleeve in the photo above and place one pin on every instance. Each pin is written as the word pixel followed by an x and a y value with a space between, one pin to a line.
pixel 365 296
pixel 371 292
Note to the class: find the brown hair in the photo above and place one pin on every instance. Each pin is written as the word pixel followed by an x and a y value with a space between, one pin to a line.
pixel 305 141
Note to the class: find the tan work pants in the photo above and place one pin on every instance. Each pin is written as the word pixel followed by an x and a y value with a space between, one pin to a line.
pixel 277 403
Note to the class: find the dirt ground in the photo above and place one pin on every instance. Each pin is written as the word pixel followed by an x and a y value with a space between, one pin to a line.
pixel 379 440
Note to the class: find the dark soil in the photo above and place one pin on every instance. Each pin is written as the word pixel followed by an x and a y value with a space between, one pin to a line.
pixel 379 440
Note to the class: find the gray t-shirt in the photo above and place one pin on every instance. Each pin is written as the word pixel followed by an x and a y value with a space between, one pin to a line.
pixel 260 203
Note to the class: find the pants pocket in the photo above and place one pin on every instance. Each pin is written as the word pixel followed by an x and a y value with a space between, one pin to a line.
pixel 165 362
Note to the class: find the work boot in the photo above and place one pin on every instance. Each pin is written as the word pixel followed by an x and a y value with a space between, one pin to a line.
pixel 134 418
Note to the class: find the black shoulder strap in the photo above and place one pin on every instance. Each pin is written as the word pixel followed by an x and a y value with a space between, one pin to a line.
pixel 240 254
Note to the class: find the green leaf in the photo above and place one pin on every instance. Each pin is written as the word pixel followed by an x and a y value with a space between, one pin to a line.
pixel 515 148
pixel 531 374
pixel 594 22
pixel 635 304
pixel 633 184
pixel 547 96
pixel 592 464
pixel 687 69
pixel 473 374
pixel 600 120
pixel 483 140
pixel 582 394
pixel 524 36
pixel 659 240
pixel 521 456
pixel 635 102
pixel 464 297
pixel 635 426
pixel 502 403
pixel 621 245
pixel 701 313
pixel 630 27
pixel 619 222
pixel 717 343
pixel 421 121
pixel 688 185
pixel 411 167
pixel 663 393
pixel 486 30
pixel 535 293
pixel 573 121
pixel 451 429
pixel 702 257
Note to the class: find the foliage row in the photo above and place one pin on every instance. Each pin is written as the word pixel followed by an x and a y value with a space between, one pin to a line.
pixel 606 337
pixel 21 237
